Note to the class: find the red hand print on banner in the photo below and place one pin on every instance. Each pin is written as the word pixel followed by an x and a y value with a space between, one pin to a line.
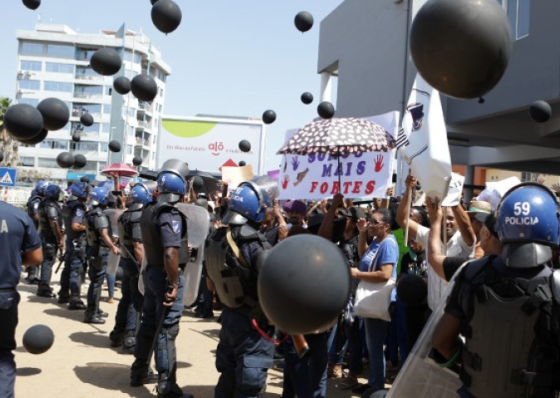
pixel 285 182
pixel 379 163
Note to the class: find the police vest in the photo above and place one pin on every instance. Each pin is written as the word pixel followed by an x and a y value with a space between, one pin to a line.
pixel 235 281
pixel 68 211
pixel 96 220
pixel 48 210
pixel 128 222
pixel 151 235
pixel 33 208
pixel 512 346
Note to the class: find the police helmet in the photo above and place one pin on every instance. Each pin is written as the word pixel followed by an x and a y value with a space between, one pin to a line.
pixel 528 225
pixel 250 200
pixel 171 186
pixel 99 196
pixel 80 190
pixel 40 187
pixel 140 193
pixel 52 191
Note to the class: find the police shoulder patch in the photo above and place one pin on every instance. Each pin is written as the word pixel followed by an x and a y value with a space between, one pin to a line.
pixel 79 213
pixel 176 226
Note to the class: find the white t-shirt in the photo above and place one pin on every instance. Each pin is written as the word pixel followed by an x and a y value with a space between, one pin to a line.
pixel 456 246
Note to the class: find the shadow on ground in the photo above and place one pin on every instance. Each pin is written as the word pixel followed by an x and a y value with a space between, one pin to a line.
pixel 94 339
pixel 77 315
pixel 27 371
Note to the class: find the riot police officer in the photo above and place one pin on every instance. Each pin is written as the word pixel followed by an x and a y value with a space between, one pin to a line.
pixel 99 242
pixel 73 213
pixel 132 254
pixel 166 250
pixel 233 258
pixel 50 226
pixel 33 212
pixel 507 308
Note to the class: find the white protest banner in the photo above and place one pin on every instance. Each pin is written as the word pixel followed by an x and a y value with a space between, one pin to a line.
pixel 422 141
pixel 233 176
pixel 455 191
pixel 361 175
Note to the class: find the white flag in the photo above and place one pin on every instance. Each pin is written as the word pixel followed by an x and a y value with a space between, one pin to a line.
pixel 422 141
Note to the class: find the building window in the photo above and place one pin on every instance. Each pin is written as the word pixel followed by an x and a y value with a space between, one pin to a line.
pixel 58 86
pixel 128 57
pixel 29 48
pixel 518 13
pixel 59 68
pixel 103 147
pixel 29 84
pixel 27 161
pixel 130 74
pixel 129 149
pixel 84 55
pixel 35 66
pixel 61 51
pixel 85 71
pixel 106 109
pixel 46 162
pixel 54 144
pixel 87 146
pixel 78 109
pixel 28 101
pixel 104 127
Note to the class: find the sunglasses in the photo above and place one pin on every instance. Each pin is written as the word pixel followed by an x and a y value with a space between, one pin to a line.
pixel 373 221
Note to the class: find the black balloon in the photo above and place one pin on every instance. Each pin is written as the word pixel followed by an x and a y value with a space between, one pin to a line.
pixel 55 113
pixel 461 48
pixel 38 339
pixel 79 161
pixel 166 15
pixel 412 289
pixel 114 146
pixel 306 292
pixel 137 160
pixel 197 183
pixel 84 179
pixel 37 139
pixel 32 4
pixel 65 160
pixel 23 121
pixel 1 156
pixel 325 109
pixel 144 87
pixel 106 61
pixel 86 119
pixel 303 21
pixel 244 146
pixel 269 116
pixel 540 111
pixel 76 137
pixel 122 85
pixel 153 1
pixel 242 163
pixel 307 98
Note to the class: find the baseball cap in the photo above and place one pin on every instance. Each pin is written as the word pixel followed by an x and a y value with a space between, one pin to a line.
pixel 479 210
pixel 354 213
pixel 296 206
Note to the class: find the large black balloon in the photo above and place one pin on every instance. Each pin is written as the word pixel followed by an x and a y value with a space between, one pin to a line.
pixel 540 111
pixel 307 98
pixel 412 289
pixel 242 163
pixel 166 15
pixel 65 160
pixel 122 85
pixel 325 109
pixel 23 121
pixel 38 339
pixel 144 87
pixel 153 1
pixel 55 113
pixel 86 119
pixel 37 139
pixel 269 116
pixel 137 160
pixel 306 292
pixel 303 21
pixel 32 4
pixel 114 146
pixel 244 146
pixel 76 137
pixel 461 48
pixel 79 161
pixel 106 61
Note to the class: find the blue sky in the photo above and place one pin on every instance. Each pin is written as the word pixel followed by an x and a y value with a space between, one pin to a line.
pixel 235 58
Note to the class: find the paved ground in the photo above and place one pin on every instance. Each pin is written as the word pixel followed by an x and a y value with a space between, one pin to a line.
pixel 82 364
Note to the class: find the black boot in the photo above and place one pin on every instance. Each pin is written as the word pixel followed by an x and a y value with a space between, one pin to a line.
pixel 102 314
pixel 45 290
pixel 63 297
pixel 116 337
pixel 129 342
pixel 138 374
pixel 76 304
pixel 92 317
pixel 168 388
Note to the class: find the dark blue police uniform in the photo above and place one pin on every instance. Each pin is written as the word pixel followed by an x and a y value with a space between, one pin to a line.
pixel 33 212
pixel 163 227
pixel 17 235
pixel 73 212
pixel 49 210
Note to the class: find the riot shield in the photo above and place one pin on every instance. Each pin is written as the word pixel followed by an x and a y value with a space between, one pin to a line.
pixel 420 376
pixel 192 274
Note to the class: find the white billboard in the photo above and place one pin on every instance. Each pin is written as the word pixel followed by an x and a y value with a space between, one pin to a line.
pixel 209 143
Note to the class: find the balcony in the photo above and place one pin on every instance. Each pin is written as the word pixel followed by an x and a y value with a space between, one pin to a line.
pixel 88 78
pixel 143 125
pixel 145 107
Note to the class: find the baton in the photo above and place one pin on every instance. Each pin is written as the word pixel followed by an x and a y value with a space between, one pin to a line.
pixel 139 266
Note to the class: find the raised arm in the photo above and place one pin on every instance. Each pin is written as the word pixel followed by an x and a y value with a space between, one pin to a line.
pixel 464 224
pixel 435 256
pixel 404 208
